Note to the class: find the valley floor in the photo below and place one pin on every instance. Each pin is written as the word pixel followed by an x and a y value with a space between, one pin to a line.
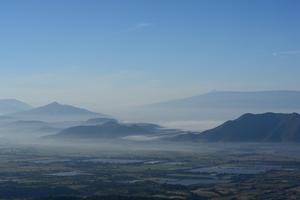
pixel 191 171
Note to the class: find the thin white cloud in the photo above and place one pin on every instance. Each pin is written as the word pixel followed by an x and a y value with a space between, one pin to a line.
pixel 286 53
pixel 137 27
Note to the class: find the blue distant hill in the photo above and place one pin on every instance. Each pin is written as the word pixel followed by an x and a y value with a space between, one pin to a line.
pixel 221 105
pixel 8 106
pixel 58 112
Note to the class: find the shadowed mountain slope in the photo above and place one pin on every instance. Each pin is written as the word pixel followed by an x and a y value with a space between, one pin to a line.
pixel 113 129
pixel 267 127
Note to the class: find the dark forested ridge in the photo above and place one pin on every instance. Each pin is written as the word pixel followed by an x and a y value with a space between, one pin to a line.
pixel 267 127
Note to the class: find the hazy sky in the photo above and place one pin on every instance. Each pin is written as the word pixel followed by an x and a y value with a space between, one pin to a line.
pixel 110 54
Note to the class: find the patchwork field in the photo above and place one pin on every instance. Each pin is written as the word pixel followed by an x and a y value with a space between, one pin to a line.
pixel 197 171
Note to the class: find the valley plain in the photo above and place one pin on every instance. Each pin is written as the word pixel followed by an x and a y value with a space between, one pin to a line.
pixel 150 171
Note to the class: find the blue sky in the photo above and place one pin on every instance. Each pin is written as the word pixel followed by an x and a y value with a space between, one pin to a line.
pixel 110 54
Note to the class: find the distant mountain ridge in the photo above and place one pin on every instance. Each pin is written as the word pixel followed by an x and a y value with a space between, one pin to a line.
pixel 99 121
pixel 23 128
pixel 57 112
pixel 220 105
pixel 57 108
pixel 114 130
pixel 236 99
pixel 8 106
pixel 267 127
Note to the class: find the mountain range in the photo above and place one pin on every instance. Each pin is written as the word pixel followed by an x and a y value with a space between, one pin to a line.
pixel 27 128
pixel 116 130
pixel 57 112
pixel 217 106
pixel 66 121
pixel 284 99
pixel 45 120
pixel 8 106
pixel 266 127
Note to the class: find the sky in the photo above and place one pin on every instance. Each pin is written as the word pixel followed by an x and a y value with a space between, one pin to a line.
pixel 112 54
